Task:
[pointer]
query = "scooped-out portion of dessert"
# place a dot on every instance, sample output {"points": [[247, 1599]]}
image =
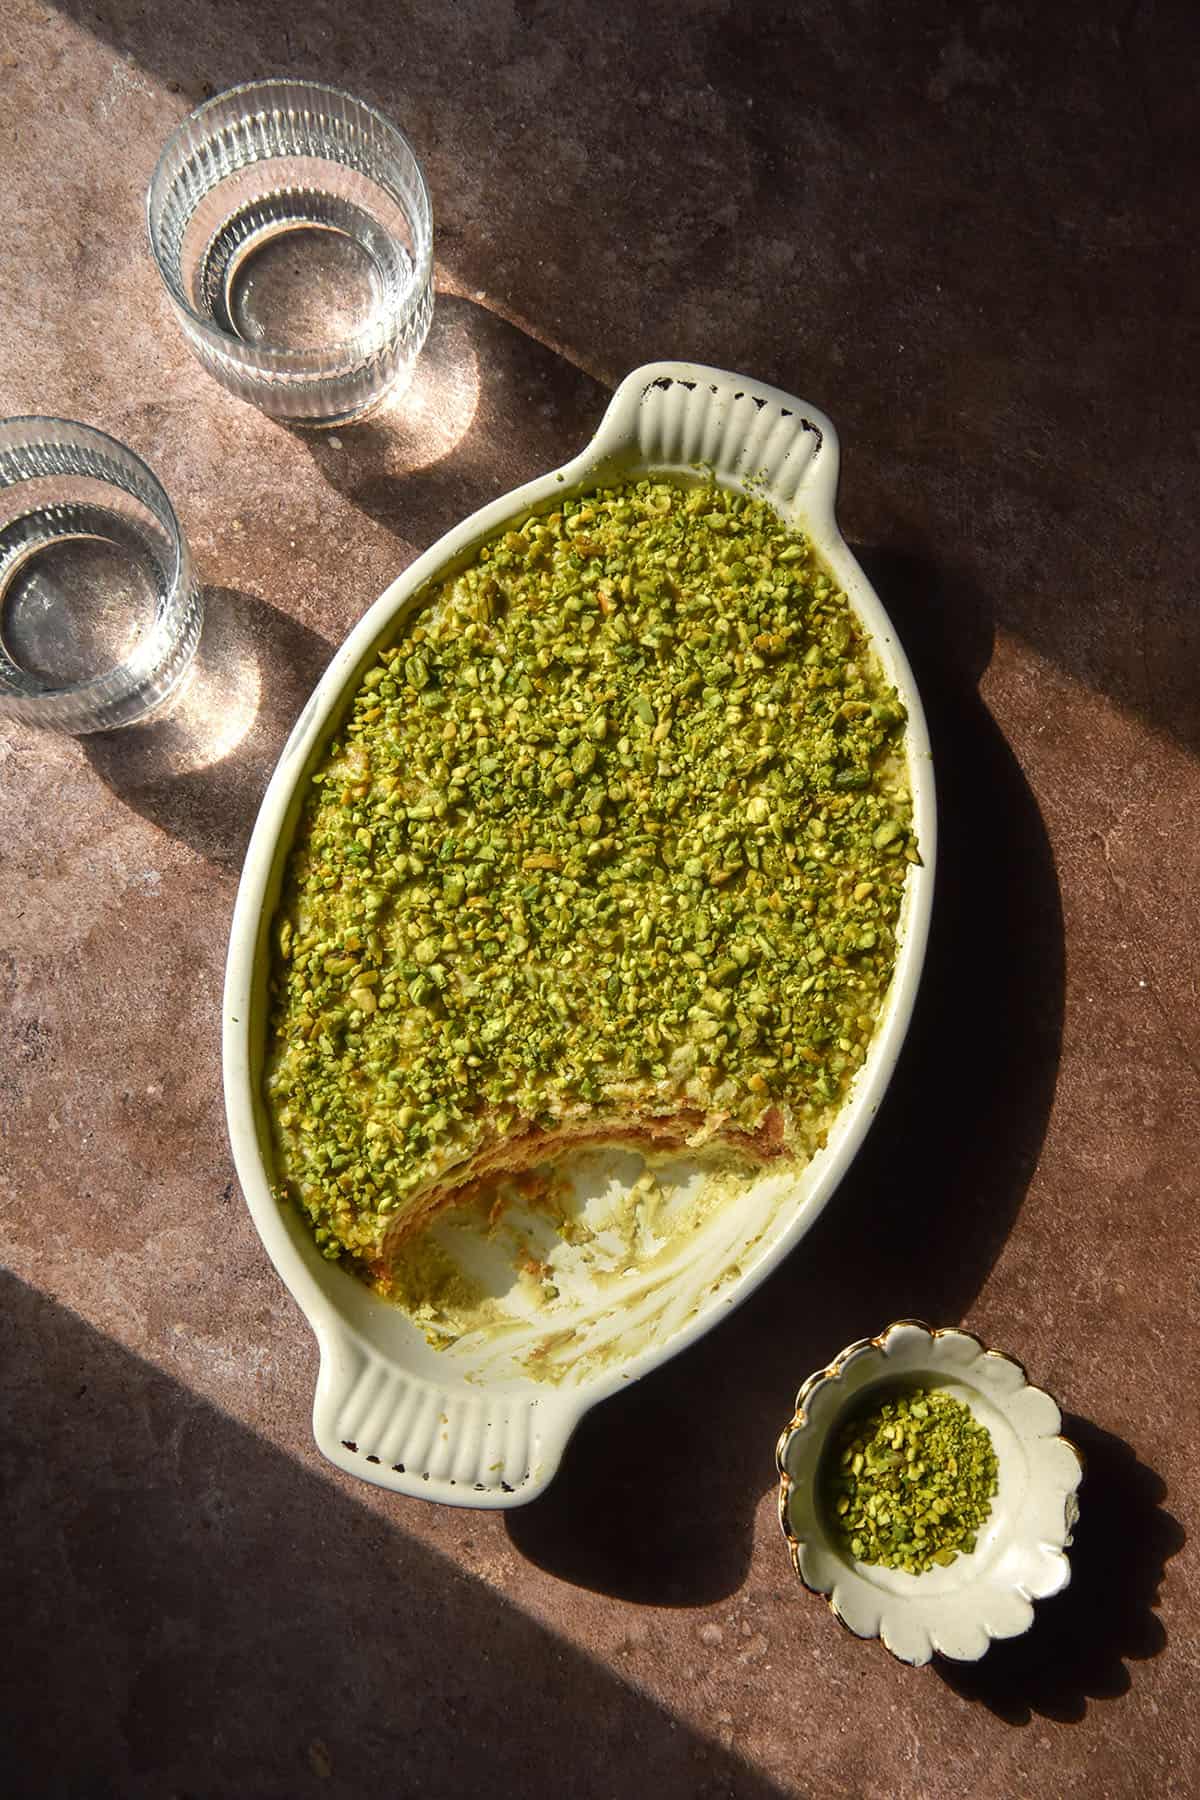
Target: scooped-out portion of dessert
{"points": [[609, 849]]}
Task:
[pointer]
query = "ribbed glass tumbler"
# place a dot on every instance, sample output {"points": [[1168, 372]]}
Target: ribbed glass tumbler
{"points": [[100, 610], [293, 229]]}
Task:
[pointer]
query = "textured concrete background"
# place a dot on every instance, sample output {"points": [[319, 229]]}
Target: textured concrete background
{"points": [[969, 234]]}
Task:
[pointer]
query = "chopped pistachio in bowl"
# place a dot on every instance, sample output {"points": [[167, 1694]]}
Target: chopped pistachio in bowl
{"points": [[1017, 1495]]}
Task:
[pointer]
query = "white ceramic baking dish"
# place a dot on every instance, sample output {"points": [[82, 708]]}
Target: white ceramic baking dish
{"points": [[469, 1425]]}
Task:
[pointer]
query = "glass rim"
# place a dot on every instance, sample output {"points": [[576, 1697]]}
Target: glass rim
{"points": [[229, 343], [119, 683]]}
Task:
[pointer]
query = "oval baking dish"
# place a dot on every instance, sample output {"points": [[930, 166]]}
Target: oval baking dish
{"points": [[469, 1425]]}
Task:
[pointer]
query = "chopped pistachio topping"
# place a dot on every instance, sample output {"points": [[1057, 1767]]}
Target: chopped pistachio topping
{"points": [[622, 821], [911, 1482]]}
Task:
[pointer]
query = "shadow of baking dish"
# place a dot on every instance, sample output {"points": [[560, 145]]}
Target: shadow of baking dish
{"points": [[658, 1493], [421, 421]]}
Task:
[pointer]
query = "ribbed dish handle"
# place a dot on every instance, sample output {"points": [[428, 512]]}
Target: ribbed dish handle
{"points": [[684, 415], [395, 1428]]}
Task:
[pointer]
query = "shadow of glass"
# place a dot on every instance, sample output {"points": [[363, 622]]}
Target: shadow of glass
{"points": [[422, 423], [199, 769], [656, 1496], [387, 467], [1080, 1642], [218, 1619]]}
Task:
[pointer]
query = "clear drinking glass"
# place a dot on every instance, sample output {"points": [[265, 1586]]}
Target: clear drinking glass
{"points": [[100, 611], [292, 227]]}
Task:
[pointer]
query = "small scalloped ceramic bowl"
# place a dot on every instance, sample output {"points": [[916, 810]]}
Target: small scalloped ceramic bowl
{"points": [[1019, 1556]]}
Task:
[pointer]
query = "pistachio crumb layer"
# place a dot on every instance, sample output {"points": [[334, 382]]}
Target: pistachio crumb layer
{"points": [[618, 828], [912, 1482]]}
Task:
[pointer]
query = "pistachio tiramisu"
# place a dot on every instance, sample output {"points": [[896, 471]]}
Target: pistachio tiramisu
{"points": [[610, 848]]}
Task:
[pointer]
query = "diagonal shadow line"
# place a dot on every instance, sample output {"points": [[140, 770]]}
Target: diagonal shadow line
{"points": [[219, 1621], [1115, 612]]}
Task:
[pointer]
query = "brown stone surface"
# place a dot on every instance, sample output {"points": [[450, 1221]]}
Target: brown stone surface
{"points": [[967, 233]]}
